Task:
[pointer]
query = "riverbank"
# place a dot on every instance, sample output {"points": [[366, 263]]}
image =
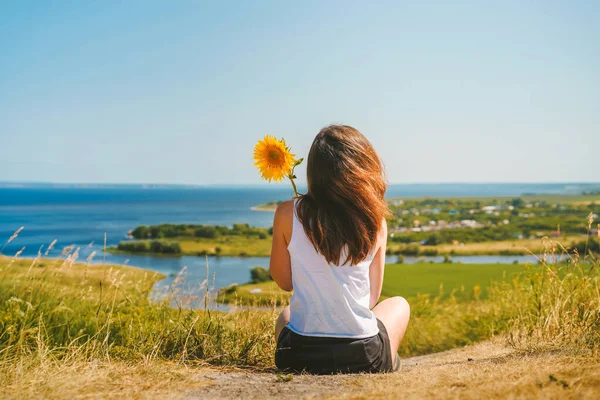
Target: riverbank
{"points": [[271, 206]]}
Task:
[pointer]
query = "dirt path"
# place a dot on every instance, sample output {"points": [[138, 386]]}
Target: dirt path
{"points": [[488, 370]]}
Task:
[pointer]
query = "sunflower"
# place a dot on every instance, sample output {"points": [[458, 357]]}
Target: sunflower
{"points": [[273, 159]]}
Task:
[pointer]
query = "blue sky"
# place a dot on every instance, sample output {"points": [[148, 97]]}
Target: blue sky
{"points": [[179, 92]]}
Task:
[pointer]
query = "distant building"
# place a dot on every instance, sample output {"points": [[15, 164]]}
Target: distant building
{"points": [[469, 223], [489, 208]]}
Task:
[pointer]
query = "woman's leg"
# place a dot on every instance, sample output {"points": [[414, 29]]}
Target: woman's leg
{"points": [[394, 313], [282, 321]]}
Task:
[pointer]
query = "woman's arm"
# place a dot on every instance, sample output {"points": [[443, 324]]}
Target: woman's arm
{"points": [[279, 265], [377, 266]]}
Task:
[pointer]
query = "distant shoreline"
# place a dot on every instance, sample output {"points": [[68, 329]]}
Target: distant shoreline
{"points": [[271, 206], [263, 208]]}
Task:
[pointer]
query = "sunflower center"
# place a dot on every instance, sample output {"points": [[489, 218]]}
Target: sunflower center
{"points": [[275, 156]]}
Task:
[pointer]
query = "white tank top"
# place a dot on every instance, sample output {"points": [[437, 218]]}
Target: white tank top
{"points": [[329, 300]]}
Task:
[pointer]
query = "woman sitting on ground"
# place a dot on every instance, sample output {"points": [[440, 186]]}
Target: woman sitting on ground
{"points": [[329, 247]]}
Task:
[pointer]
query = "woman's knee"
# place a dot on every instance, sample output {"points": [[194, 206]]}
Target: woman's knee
{"points": [[403, 303], [401, 307], [399, 303]]}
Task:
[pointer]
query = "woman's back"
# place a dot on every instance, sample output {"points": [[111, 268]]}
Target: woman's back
{"points": [[329, 300], [329, 248]]}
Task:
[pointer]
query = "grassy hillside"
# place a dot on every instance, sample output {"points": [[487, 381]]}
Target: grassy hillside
{"points": [[70, 326], [72, 309]]}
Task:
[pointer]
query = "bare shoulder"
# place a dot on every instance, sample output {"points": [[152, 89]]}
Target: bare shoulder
{"points": [[383, 231], [286, 208], [284, 212]]}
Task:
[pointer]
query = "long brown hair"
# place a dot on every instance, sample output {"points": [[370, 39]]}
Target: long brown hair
{"points": [[345, 203]]}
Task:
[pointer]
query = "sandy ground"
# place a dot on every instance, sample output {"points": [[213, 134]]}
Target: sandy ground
{"points": [[488, 370]]}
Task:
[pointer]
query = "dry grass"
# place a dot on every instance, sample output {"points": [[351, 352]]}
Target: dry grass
{"points": [[101, 379], [72, 311], [489, 370]]}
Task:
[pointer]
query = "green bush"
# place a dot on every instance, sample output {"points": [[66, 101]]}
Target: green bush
{"points": [[141, 232], [133, 246], [198, 231], [591, 246], [259, 274], [161, 246], [410, 250], [428, 252], [206, 232], [154, 246]]}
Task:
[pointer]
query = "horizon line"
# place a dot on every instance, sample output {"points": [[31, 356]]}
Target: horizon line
{"points": [[265, 185]]}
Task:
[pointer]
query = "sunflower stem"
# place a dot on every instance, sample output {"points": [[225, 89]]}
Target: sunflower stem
{"points": [[294, 186]]}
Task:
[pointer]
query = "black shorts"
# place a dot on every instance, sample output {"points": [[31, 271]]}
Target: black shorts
{"points": [[329, 355]]}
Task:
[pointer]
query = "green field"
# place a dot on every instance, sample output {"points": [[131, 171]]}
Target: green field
{"points": [[406, 280], [409, 280]]}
